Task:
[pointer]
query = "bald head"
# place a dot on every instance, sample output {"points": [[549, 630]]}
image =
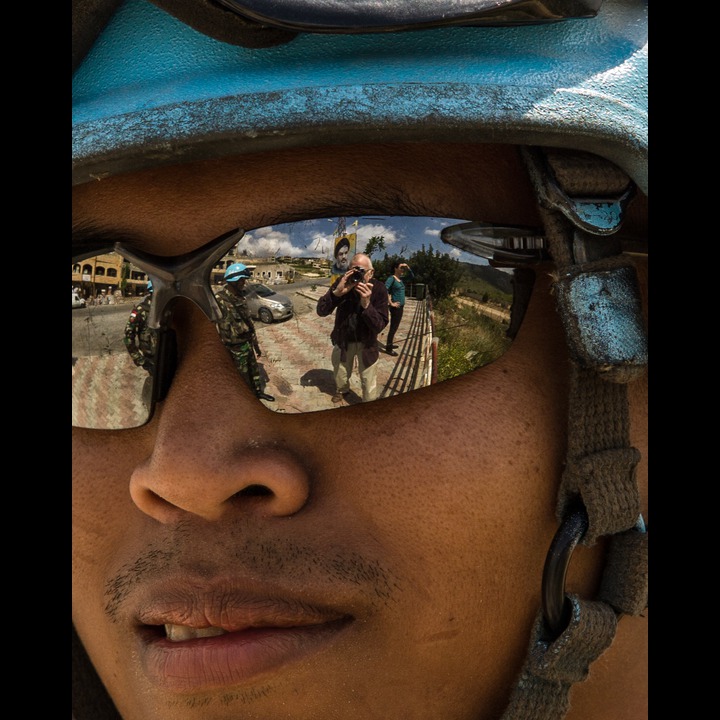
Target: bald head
{"points": [[362, 260]]}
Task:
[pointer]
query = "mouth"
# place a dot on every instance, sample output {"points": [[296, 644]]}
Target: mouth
{"points": [[188, 651]]}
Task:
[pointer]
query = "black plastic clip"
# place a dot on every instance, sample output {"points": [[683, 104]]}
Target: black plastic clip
{"points": [[556, 607]]}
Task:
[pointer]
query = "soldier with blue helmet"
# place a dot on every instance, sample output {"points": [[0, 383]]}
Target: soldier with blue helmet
{"points": [[237, 330], [407, 557]]}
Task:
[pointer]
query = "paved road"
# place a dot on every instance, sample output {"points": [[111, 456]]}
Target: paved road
{"points": [[296, 357]]}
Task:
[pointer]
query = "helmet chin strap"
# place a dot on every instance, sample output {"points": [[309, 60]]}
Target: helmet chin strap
{"points": [[582, 199]]}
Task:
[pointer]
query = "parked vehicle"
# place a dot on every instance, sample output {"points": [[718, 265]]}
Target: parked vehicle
{"points": [[267, 305], [77, 300]]}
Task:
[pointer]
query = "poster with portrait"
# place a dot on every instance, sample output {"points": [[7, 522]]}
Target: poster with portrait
{"points": [[342, 254]]}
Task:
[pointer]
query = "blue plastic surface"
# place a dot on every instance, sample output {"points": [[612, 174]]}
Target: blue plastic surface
{"points": [[153, 90]]}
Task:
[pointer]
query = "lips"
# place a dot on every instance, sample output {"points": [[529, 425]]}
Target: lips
{"points": [[193, 641]]}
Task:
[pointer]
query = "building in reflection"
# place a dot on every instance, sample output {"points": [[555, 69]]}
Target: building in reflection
{"points": [[108, 274], [270, 271]]}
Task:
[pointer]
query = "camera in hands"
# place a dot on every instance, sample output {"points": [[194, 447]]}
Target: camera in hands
{"points": [[358, 274]]}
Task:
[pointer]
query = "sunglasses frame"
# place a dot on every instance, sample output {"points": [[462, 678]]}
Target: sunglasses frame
{"points": [[188, 275]]}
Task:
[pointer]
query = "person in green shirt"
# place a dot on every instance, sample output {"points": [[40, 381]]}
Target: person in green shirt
{"points": [[395, 285]]}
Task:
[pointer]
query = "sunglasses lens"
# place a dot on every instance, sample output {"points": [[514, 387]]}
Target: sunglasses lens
{"points": [[112, 349], [462, 309]]}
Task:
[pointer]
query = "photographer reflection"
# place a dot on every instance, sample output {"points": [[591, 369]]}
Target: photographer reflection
{"points": [[139, 339], [237, 330], [361, 313]]}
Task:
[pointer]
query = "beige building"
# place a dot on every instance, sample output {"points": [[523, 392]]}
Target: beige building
{"points": [[108, 274], [264, 270]]}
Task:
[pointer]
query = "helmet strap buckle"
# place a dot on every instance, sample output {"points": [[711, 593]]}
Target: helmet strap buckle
{"points": [[598, 209], [598, 492]]}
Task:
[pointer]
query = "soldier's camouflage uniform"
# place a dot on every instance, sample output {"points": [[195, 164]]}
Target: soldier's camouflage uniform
{"points": [[237, 331], [139, 340]]}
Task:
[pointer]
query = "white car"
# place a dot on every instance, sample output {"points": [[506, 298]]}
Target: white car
{"points": [[266, 304], [77, 301]]}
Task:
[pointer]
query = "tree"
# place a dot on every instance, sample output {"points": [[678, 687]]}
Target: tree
{"points": [[374, 244], [438, 271], [383, 266]]}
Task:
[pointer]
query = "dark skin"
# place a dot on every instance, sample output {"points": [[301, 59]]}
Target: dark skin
{"points": [[236, 287], [441, 575]]}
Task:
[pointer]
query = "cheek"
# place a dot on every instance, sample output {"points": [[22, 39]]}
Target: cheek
{"points": [[460, 494], [468, 471], [101, 505], [478, 472], [485, 449], [462, 474]]}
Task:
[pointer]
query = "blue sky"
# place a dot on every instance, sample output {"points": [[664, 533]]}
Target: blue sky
{"points": [[316, 238]]}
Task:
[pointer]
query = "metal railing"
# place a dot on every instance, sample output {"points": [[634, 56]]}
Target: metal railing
{"points": [[416, 363]]}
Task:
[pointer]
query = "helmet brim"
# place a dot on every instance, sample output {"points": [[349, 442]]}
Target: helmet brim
{"points": [[182, 96]]}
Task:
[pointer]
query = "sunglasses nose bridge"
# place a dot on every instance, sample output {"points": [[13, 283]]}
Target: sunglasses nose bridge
{"points": [[186, 275], [192, 288]]}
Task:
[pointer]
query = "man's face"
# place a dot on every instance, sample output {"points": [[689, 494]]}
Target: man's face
{"points": [[227, 564], [362, 263], [342, 257], [237, 286]]}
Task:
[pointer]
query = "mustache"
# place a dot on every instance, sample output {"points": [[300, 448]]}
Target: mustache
{"points": [[282, 561]]}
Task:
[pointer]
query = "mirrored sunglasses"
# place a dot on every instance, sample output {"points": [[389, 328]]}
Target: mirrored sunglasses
{"points": [[463, 289]]}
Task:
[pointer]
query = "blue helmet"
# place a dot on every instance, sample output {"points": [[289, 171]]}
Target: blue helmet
{"points": [[235, 272], [584, 81], [153, 87]]}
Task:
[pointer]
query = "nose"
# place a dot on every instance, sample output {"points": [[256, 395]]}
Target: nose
{"points": [[216, 448]]}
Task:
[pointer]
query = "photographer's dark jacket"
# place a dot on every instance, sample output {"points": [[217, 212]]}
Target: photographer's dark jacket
{"points": [[352, 323]]}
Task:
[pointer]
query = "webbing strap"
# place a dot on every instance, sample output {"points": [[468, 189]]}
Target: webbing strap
{"points": [[552, 667], [625, 580], [599, 306], [600, 464]]}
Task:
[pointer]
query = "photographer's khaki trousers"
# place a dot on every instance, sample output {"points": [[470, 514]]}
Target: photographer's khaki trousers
{"points": [[342, 371]]}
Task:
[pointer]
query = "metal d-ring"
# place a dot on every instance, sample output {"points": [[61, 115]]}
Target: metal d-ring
{"points": [[556, 607]]}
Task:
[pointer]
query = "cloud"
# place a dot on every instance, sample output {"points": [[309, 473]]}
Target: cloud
{"points": [[266, 241], [315, 238], [365, 232]]}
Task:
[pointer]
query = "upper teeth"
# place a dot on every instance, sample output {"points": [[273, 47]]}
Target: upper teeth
{"points": [[178, 633]]}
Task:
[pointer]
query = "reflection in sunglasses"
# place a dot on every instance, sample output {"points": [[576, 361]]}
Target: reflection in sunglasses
{"points": [[458, 314]]}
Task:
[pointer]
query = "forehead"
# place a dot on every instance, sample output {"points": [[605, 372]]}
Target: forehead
{"points": [[202, 200], [187, 205]]}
